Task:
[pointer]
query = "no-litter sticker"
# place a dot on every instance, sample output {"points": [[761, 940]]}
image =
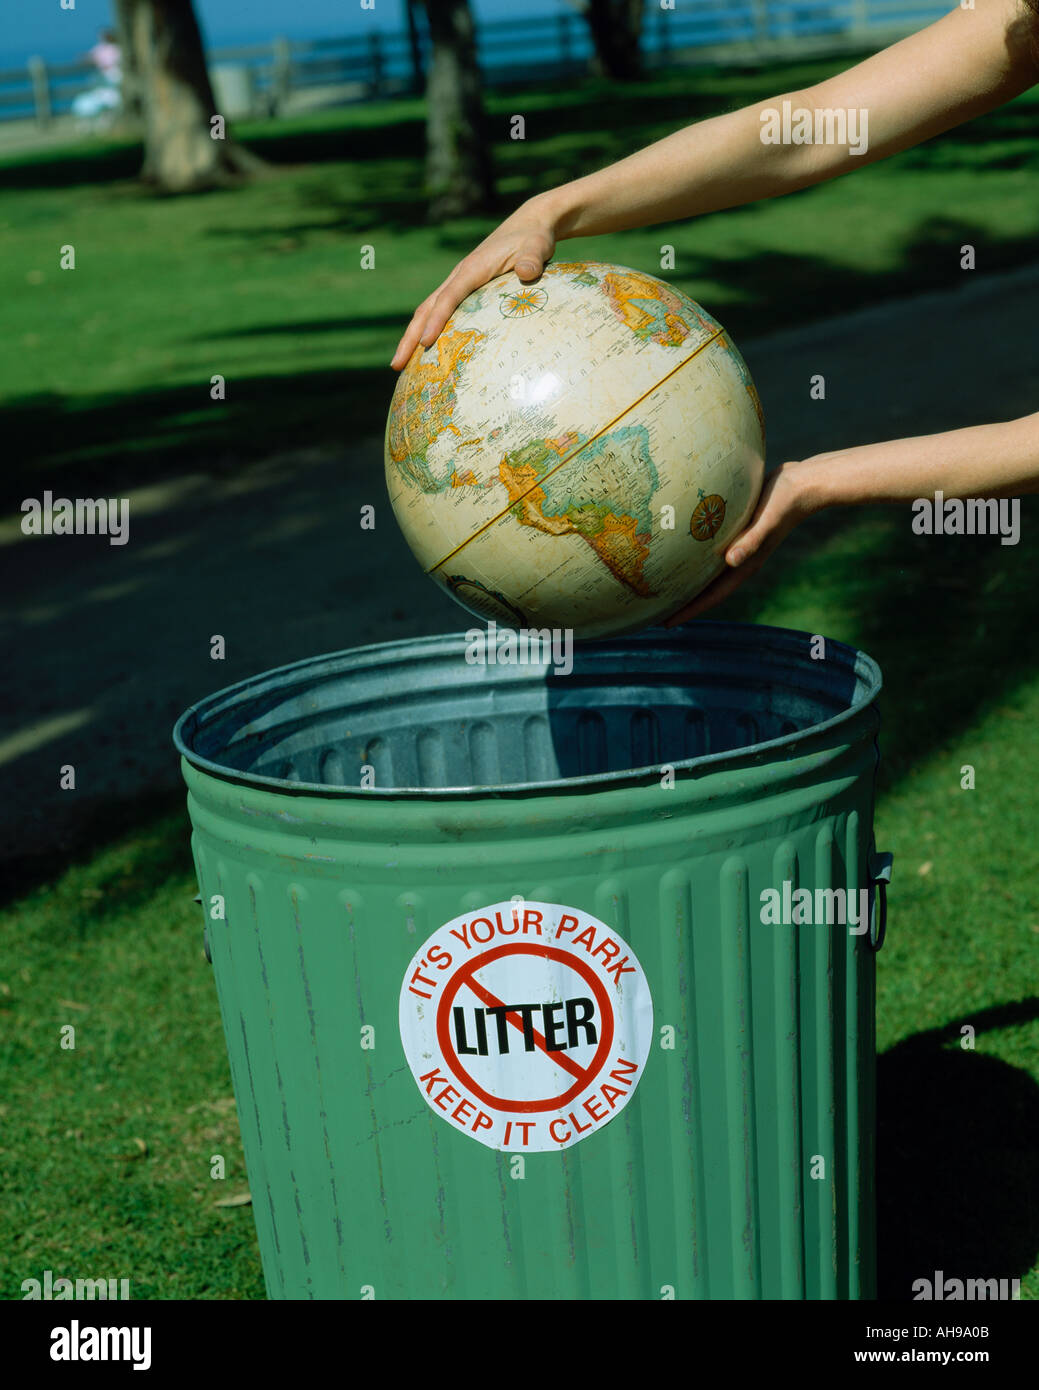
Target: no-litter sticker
{"points": [[526, 1025]]}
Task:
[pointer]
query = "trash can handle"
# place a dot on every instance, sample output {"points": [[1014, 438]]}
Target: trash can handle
{"points": [[880, 877]]}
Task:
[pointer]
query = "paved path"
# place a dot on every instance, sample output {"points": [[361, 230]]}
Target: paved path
{"points": [[106, 645]]}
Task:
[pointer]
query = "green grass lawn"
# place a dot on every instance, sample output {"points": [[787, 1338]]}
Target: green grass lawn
{"points": [[105, 1150], [105, 370]]}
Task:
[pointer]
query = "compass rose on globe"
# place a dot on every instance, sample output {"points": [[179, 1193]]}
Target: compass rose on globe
{"points": [[523, 302], [707, 516]]}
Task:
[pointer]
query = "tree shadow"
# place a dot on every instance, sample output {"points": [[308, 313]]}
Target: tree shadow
{"points": [[396, 135], [386, 189], [957, 1135], [976, 142], [74, 168], [125, 442], [823, 288], [820, 287], [168, 856], [944, 619], [942, 616]]}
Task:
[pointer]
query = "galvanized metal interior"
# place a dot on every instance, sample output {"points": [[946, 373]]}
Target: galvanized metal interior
{"points": [[423, 717]]}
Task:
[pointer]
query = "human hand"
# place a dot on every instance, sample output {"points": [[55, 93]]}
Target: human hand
{"points": [[523, 242], [785, 500]]}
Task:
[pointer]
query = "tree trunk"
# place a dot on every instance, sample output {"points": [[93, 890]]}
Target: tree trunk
{"points": [[616, 27], [180, 152], [414, 46], [459, 174], [130, 87]]}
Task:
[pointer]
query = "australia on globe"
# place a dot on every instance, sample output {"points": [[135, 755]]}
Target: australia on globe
{"points": [[575, 453]]}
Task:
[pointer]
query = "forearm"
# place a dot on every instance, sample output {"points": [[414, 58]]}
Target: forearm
{"points": [[718, 163], [999, 460], [965, 64]]}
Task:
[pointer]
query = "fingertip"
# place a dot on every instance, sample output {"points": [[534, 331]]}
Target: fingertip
{"points": [[431, 332], [402, 356]]}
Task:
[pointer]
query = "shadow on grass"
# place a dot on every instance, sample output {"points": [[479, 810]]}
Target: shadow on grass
{"points": [[815, 288], [620, 118], [160, 834], [385, 196], [126, 442], [396, 129], [86, 163], [115, 443], [957, 1136], [944, 620]]}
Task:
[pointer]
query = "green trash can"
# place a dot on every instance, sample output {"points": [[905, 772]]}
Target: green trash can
{"points": [[550, 985]]}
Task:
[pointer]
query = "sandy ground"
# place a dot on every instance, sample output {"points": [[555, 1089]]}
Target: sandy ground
{"points": [[106, 645]]}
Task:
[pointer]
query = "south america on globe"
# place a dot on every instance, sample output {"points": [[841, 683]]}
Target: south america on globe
{"points": [[575, 453]]}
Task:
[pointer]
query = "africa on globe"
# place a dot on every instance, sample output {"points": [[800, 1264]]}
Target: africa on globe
{"points": [[576, 453]]}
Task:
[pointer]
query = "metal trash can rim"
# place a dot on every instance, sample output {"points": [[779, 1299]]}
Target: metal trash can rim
{"points": [[858, 670]]}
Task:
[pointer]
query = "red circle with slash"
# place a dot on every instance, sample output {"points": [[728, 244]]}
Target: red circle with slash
{"points": [[585, 1076]]}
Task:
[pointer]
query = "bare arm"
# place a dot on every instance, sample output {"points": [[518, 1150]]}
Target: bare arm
{"points": [[961, 66], [1000, 460], [964, 64]]}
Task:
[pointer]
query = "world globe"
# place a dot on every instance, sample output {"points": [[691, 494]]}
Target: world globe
{"points": [[575, 453]]}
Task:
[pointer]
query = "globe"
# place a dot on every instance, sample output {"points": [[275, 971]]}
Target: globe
{"points": [[575, 453]]}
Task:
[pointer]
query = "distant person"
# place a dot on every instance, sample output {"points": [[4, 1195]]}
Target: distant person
{"points": [[969, 61], [107, 96], [107, 57]]}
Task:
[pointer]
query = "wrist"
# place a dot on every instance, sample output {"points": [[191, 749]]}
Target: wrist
{"points": [[816, 482], [555, 209]]}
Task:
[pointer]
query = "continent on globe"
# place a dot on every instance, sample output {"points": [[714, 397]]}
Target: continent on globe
{"points": [[595, 499], [426, 409], [575, 453]]}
